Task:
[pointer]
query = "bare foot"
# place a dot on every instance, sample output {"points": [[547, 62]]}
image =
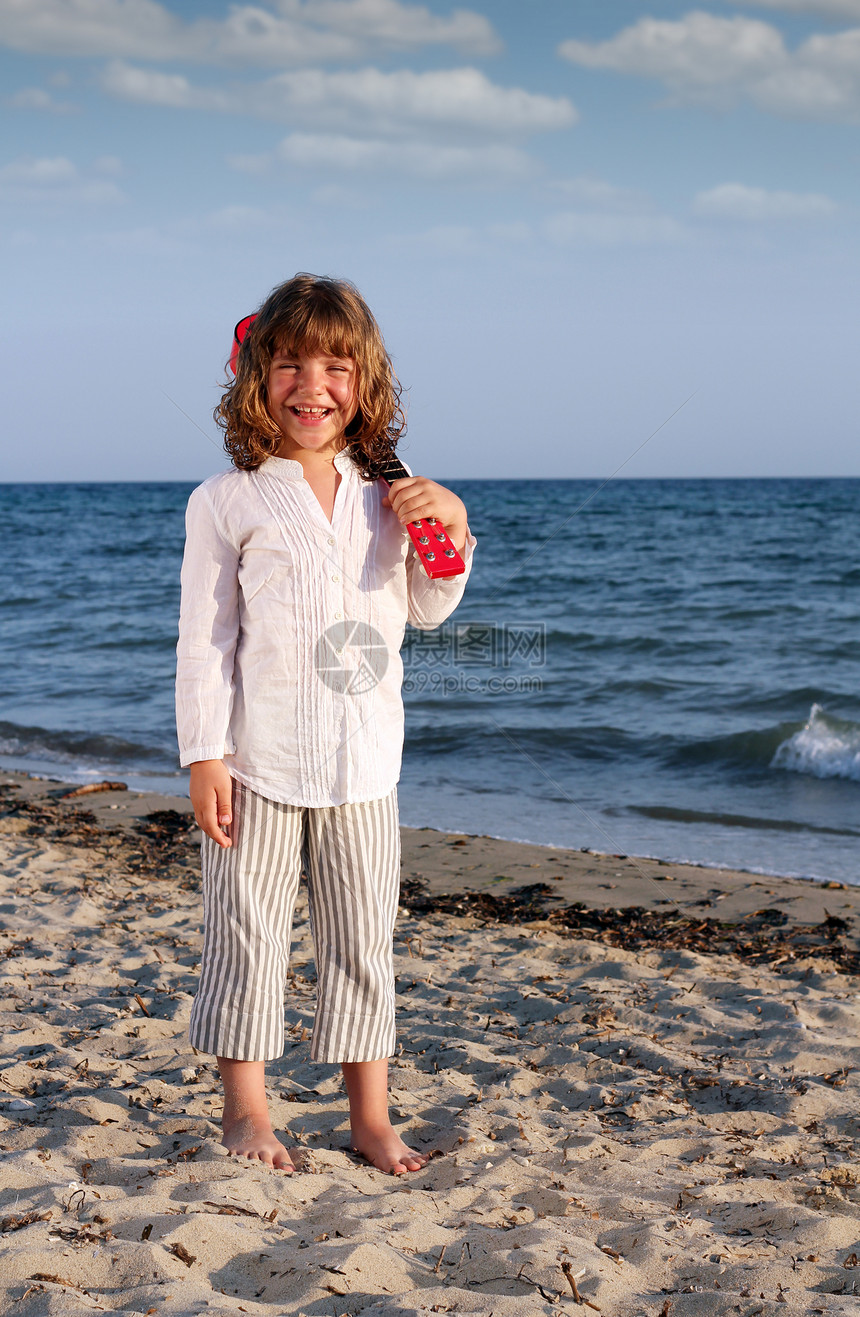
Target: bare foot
{"points": [[383, 1147], [253, 1137]]}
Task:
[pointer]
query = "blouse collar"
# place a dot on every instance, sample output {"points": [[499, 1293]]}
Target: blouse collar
{"points": [[284, 468]]}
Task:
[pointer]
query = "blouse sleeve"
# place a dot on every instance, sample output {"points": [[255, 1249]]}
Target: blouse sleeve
{"points": [[208, 634]]}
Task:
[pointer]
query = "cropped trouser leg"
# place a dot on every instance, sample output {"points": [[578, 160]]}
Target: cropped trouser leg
{"points": [[351, 854], [353, 868]]}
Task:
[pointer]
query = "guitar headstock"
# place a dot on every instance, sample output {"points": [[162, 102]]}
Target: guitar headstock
{"points": [[432, 542]]}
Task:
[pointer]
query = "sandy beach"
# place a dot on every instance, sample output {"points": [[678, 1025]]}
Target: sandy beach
{"points": [[639, 1082]]}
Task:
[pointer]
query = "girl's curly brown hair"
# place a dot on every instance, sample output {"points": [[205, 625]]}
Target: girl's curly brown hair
{"points": [[309, 315]]}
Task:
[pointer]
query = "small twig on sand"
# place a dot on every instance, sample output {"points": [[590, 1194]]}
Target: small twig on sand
{"points": [[571, 1280], [58, 1280], [94, 786]]}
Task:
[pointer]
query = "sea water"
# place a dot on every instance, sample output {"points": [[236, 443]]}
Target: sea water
{"points": [[653, 667]]}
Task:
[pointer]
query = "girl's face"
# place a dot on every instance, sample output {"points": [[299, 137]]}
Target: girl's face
{"points": [[311, 399]]}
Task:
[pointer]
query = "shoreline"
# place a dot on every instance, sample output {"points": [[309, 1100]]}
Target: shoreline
{"points": [[166, 799], [496, 866]]}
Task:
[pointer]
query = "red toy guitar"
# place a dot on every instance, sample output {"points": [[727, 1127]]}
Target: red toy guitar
{"points": [[432, 543], [238, 338]]}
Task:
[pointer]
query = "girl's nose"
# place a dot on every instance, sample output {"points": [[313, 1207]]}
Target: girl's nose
{"points": [[314, 376]]}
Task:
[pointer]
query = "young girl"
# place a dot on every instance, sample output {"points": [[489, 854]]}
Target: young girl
{"points": [[297, 582]]}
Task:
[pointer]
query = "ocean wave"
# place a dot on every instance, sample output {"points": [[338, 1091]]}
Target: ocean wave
{"points": [[550, 744], [75, 748], [757, 823], [824, 746], [753, 749]]}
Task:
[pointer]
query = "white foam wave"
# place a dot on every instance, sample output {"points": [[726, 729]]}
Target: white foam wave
{"points": [[824, 747]]}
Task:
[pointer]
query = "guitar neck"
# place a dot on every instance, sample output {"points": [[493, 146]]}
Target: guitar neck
{"points": [[394, 470]]}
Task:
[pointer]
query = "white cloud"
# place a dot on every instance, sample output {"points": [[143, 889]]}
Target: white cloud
{"points": [[697, 54], [169, 90], [91, 27], [317, 30], [449, 98], [36, 98], [721, 61], [54, 179], [363, 100], [736, 201], [316, 157], [439, 125], [400, 26]]}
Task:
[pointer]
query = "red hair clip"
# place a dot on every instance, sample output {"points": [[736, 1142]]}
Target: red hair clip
{"points": [[238, 339]]}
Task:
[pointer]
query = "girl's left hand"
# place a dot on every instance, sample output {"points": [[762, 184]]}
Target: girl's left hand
{"points": [[416, 497]]}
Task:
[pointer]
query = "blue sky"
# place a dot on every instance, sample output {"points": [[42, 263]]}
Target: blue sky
{"points": [[568, 215]]}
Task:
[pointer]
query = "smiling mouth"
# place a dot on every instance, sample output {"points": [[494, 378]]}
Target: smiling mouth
{"points": [[314, 413]]}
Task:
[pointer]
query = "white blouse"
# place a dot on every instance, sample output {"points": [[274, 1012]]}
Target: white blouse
{"points": [[290, 630]]}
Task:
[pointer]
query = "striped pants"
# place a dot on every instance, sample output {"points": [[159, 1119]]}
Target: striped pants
{"points": [[351, 855]]}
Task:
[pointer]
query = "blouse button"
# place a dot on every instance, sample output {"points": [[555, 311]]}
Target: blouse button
{"points": [[335, 577]]}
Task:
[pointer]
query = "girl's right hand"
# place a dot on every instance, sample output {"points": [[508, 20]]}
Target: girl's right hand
{"points": [[212, 797]]}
